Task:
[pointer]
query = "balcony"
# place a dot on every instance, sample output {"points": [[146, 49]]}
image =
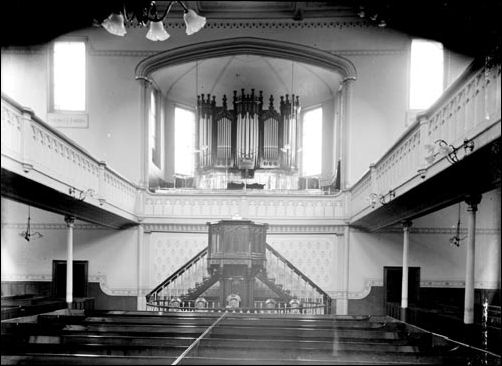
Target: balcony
{"points": [[450, 150], [44, 168]]}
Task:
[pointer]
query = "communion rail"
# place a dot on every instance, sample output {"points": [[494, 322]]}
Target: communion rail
{"points": [[296, 292]]}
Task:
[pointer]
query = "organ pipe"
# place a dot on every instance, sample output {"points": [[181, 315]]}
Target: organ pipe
{"points": [[248, 136]]}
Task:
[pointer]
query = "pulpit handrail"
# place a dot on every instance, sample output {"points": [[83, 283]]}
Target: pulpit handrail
{"points": [[180, 271], [297, 271]]}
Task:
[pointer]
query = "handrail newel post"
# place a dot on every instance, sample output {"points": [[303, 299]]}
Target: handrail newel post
{"points": [[101, 182], [25, 125], [424, 142]]}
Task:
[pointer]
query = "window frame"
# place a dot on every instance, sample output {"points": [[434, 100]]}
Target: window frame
{"points": [[194, 162], [411, 109], [303, 112], [156, 149], [52, 109]]}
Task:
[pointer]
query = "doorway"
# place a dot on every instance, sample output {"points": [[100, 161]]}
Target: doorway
{"points": [[392, 280], [80, 279]]}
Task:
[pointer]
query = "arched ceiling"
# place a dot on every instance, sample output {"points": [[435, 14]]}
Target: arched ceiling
{"points": [[223, 75]]}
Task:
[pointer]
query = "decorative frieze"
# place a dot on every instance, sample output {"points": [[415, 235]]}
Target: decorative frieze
{"points": [[252, 207], [272, 229], [49, 226]]}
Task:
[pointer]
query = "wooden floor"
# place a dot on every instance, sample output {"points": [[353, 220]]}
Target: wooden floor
{"points": [[136, 338]]}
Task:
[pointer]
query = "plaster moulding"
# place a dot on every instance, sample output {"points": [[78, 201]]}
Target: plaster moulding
{"points": [[272, 229], [51, 226], [450, 283], [279, 24], [246, 45], [16, 277], [431, 231]]}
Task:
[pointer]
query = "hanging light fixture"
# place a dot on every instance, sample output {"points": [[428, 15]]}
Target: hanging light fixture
{"points": [[157, 32], [115, 24], [193, 21], [148, 15], [27, 234], [455, 239]]}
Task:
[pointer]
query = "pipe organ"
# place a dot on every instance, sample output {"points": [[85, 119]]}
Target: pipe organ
{"points": [[248, 137]]}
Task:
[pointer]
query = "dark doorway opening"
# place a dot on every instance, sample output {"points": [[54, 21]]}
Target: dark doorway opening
{"points": [[80, 280], [392, 277]]}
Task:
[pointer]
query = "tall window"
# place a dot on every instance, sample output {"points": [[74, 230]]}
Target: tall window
{"points": [[312, 142], [153, 128], [69, 76], [426, 73], [184, 134]]}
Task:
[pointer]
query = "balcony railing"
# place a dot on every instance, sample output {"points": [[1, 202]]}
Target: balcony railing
{"points": [[468, 109], [32, 147]]}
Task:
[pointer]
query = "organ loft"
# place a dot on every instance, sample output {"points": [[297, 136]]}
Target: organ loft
{"points": [[250, 140]]}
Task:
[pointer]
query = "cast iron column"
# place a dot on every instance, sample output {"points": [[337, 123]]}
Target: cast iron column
{"points": [[404, 283], [70, 221], [472, 202]]}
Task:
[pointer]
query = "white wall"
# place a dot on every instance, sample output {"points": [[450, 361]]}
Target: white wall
{"points": [[111, 253], [442, 264], [379, 96]]}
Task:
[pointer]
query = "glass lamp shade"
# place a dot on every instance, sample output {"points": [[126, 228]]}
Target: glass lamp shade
{"points": [[114, 24], [194, 22], [157, 32]]}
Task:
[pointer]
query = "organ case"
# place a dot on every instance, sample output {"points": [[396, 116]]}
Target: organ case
{"points": [[247, 137]]}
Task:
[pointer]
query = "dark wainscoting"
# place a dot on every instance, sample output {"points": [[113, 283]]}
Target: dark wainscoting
{"points": [[102, 301], [446, 299], [369, 305], [14, 288], [107, 302]]}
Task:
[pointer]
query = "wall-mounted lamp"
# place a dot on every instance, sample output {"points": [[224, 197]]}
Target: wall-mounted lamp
{"points": [[422, 172], [449, 151], [386, 198], [373, 14], [28, 235], [373, 198], [82, 195]]}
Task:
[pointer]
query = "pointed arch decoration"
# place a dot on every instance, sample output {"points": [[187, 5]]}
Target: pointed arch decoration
{"points": [[260, 47], [249, 46]]}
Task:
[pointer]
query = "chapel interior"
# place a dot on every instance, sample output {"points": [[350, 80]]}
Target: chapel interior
{"points": [[251, 182]]}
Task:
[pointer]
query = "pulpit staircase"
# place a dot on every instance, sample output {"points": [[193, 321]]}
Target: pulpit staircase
{"points": [[280, 280]]}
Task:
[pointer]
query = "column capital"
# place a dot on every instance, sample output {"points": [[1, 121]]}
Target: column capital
{"points": [[472, 201], [348, 79], [406, 224], [70, 220]]}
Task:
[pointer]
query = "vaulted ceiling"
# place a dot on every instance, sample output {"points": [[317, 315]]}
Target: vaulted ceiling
{"points": [[223, 75]]}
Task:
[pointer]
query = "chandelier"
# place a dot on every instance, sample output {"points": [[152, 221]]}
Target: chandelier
{"points": [[150, 15]]}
